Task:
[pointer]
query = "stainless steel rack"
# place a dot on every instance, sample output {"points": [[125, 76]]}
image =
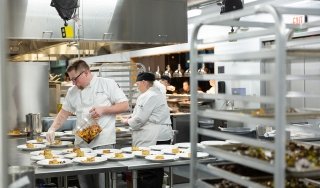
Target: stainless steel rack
{"points": [[281, 54]]}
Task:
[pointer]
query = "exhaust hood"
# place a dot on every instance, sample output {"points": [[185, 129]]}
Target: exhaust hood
{"points": [[100, 27]]}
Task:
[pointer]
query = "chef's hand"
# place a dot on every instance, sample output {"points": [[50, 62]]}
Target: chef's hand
{"points": [[96, 112], [125, 120], [171, 88], [50, 135]]}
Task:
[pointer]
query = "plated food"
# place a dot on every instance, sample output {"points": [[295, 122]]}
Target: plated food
{"points": [[42, 157], [77, 149], [54, 163], [174, 151], [106, 151], [133, 148], [89, 160], [16, 132], [145, 153], [59, 143], [46, 152], [122, 130], [161, 158], [79, 154], [30, 147], [119, 156], [38, 140], [161, 147]]}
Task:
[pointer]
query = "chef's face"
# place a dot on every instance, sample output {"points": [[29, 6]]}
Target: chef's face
{"points": [[78, 78], [142, 85]]}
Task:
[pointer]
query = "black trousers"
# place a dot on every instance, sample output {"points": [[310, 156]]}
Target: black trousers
{"points": [[152, 178]]}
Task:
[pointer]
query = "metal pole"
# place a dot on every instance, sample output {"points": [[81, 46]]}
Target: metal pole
{"points": [[3, 94]]}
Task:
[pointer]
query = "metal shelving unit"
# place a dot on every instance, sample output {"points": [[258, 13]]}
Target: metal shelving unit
{"points": [[280, 55]]}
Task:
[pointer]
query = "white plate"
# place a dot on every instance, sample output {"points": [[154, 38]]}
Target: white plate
{"points": [[68, 133], [45, 163], [122, 130], [126, 156], [97, 160], [167, 158], [54, 152], [186, 155], [36, 142], [41, 157], [74, 155], [161, 147], [70, 150], [100, 151], [170, 152], [36, 147], [214, 143], [129, 149], [185, 144], [63, 144], [139, 153], [43, 134]]}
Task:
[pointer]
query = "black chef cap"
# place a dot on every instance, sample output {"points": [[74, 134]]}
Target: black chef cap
{"points": [[165, 77], [147, 76]]}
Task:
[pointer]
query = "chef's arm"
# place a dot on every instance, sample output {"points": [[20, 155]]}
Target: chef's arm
{"points": [[60, 119]]}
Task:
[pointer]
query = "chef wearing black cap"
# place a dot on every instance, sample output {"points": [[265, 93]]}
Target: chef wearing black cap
{"points": [[150, 113]]}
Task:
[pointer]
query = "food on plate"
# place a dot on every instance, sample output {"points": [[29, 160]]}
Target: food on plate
{"points": [[46, 152], [118, 130], [57, 142], [159, 157], [258, 112], [48, 156], [118, 155], [302, 157], [145, 152], [89, 160], [55, 162], [29, 145], [80, 153], [14, 132], [175, 150], [76, 150], [39, 139], [89, 133], [106, 151], [135, 148], [189, 155]]}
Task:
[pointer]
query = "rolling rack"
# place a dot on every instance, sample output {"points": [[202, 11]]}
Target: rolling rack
{"points": [[280, 55]]}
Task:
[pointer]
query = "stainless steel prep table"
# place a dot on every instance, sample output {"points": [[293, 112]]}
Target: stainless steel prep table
{"points": [[22, 158]]}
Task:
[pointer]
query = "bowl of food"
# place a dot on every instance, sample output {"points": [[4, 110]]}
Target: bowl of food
{"points": [[88, 130]]}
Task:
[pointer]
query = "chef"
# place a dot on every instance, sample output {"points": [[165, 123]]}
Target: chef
{"points": [[150, 114]]}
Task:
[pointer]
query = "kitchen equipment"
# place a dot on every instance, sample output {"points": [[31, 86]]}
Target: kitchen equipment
{"points": [[168, 71], [158, 74], [178, 72], [36, 123], [21, 176], [28, 127]]}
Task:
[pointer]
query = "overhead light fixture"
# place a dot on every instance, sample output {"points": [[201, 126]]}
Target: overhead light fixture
{"points": [[194, 12]]}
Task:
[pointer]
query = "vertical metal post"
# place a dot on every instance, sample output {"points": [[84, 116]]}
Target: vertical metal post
{"points": [[3, 94], [134, 179]]}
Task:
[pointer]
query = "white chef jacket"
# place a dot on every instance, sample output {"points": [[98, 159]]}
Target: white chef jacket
{"points": [[160, 86], [150, 115], [100, 92]]}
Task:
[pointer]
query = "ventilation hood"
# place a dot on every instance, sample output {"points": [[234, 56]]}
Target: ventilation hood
{"points": [[100, 27]]}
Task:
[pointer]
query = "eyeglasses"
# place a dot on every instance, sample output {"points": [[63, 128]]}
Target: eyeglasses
{"points": [[75, 78]]}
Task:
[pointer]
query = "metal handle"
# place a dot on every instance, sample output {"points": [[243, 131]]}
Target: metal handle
{"points": [[162, 36], [49, 32], [104, 36]]}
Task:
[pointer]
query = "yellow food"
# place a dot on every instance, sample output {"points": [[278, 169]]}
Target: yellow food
{"points": [[118, 130], [55, 161], [57, 142], [48, 156], [39, 139], [119, 155], [89, 133], [80, 153], [145, 152], [47, 152], [29, 145], [135, 148], [15, 132], [159, 157], [106, 151], [175, 150], [89, 160], [259, 112]]}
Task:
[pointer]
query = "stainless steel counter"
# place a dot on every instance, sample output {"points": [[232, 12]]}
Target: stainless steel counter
{"points": [[22, 158]]}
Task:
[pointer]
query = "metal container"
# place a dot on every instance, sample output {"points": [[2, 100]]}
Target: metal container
{"points": [[36, 123], [28, 127], [21, 176]]}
